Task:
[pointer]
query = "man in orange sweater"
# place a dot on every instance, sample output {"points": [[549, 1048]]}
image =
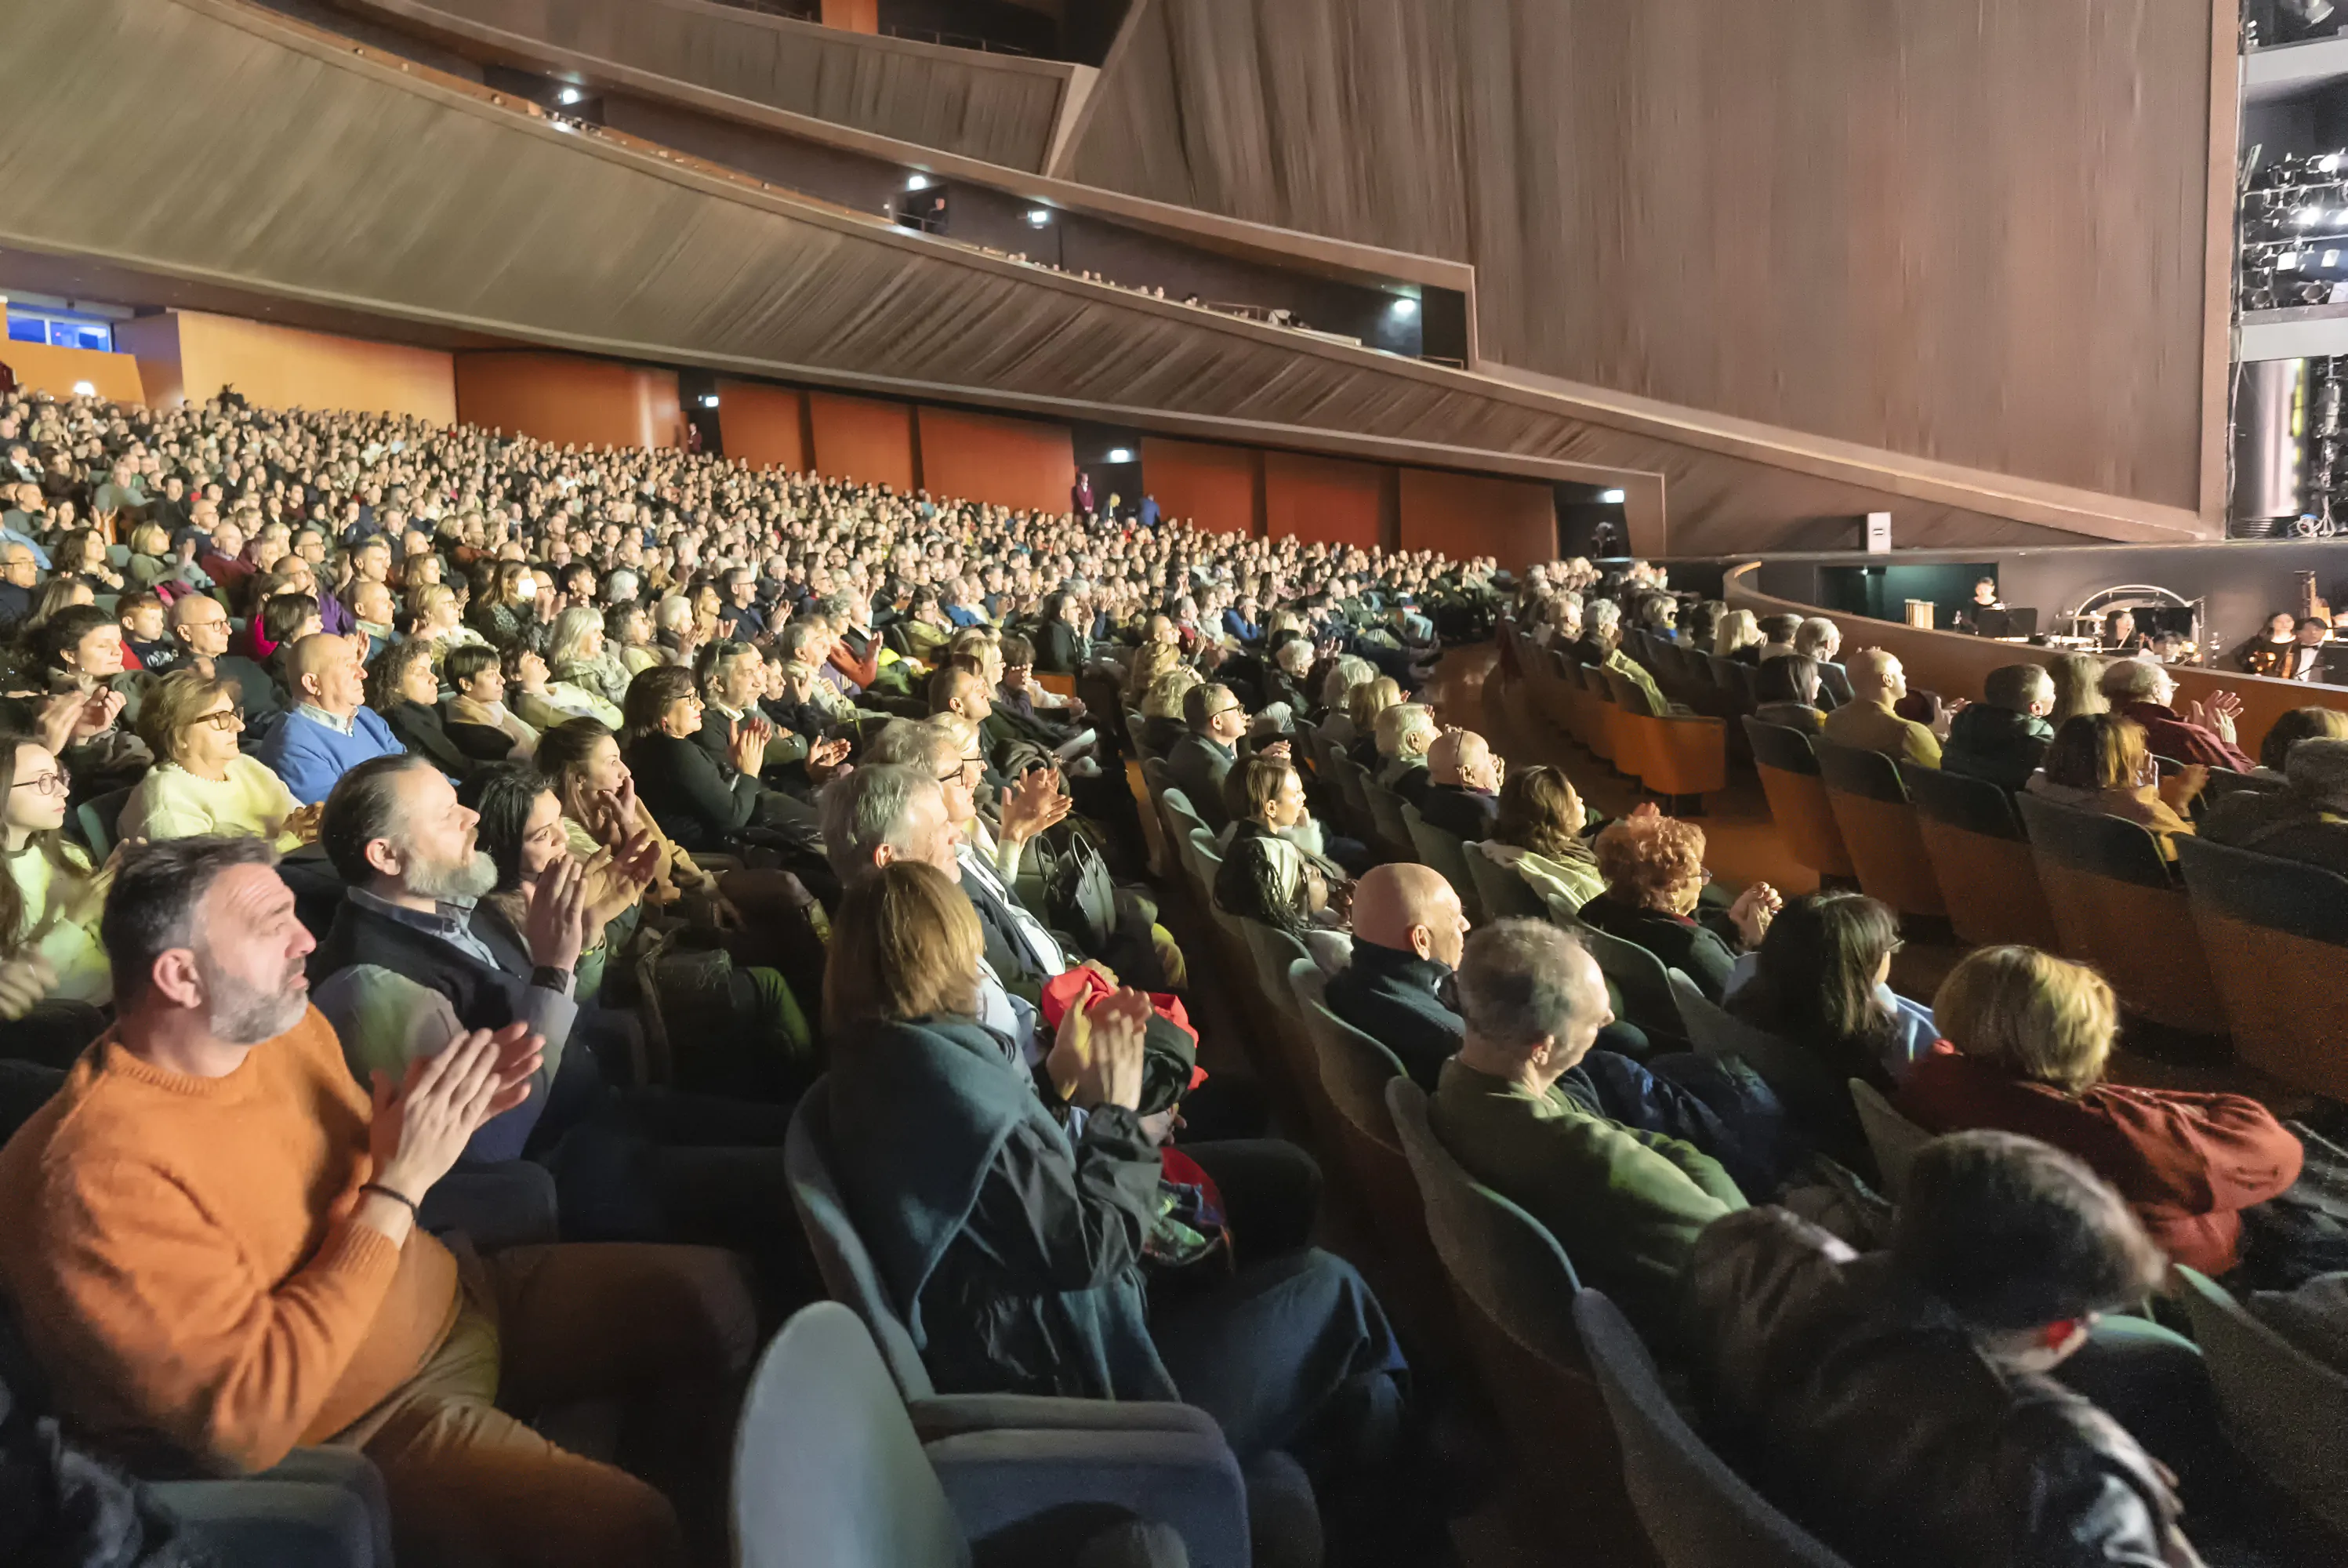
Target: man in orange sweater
{"points": [[211, 1243]]}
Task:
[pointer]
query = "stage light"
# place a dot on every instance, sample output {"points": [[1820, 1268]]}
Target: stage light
{"points": [[569, 96], [1405, 308], [1038, 216], [918, 182], [709, 399], [1121, 454], [1614, 497]]}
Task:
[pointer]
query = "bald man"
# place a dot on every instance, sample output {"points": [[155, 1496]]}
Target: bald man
{"points": [[1868, 721], [1463, 794], [331, 730], [1409, 930]]}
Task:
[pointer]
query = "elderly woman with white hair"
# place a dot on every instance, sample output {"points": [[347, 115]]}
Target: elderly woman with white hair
{"points": [[2306, 821], [578, 654], [1345, 673]]}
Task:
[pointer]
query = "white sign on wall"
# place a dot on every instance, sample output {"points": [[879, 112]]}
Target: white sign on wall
{"points": [[1878, 533]]}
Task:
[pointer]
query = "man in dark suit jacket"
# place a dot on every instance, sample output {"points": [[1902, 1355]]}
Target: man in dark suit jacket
{"points": [[1201, 759], [1462, 793], [2004, 738]]}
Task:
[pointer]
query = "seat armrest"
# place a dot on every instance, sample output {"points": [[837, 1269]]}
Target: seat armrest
{"points": [[951, 1415], [999, 1479], [504, 1203]]}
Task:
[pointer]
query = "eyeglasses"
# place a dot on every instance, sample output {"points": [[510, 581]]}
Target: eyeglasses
{"points": [[58, 783], [226, 718], [969, 765]]}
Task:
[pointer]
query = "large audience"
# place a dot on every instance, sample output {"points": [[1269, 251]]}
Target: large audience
{"points": [[440, 862]]}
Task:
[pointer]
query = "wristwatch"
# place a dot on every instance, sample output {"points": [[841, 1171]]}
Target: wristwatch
{"points": [[547, 978]]}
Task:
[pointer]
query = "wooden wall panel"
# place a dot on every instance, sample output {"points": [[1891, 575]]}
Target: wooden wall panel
{"points": [[1469, 514], [1328, 499], [1974, 233], [285, 368], [862, 439], [1022, 463], [1217, 487], [570, 398], [1001, 108], [765, 427], [43, 367]]}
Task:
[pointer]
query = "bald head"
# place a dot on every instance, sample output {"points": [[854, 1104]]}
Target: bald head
{"points": [[1461, 757], [324, 670], [1411, 909], [1877, 677]]}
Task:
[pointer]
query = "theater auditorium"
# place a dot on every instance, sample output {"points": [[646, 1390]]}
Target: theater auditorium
{"points": [[1173, 784]]}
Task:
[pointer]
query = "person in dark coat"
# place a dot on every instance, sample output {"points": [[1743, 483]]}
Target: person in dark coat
{"points": [[1654, 867], [1462, 793], [699, 803], [2004, 738], [1201, 759], [402, 687]]}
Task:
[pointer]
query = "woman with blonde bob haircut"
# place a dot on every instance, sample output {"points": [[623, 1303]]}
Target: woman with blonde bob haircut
{"points": [[2032, 1035], [906, 945]]}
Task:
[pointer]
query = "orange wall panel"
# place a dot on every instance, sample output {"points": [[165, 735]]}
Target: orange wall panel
{"points": [[1328, 499], [285, 368], [1468, 514], [1021, 463], [568, 399], [43, 367], [763, 426], [1220, 488], [856, 16], [859, 439]]}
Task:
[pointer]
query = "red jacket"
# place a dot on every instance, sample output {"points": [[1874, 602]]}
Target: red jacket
{"points": [[2187, 1163], [2166, 735]]}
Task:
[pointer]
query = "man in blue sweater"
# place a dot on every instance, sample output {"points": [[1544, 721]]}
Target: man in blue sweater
{"points": [[331, 730]]}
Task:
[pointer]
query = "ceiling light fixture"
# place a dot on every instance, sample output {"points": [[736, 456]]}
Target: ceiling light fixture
{"points": [[918, 182], [1405, 308], [1615, 498], [84, 389], [1038, 216], [1121, 454], [569, 95], [709, 399]]}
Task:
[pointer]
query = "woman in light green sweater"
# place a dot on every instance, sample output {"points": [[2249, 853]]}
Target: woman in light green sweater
{"points": [[203, 784]]}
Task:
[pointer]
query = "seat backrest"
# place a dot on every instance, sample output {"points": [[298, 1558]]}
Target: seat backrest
{"points": [[1355, 1069], [1790, 1072], [1176, 805], [1503, 893], [1629, 695], [826, 1465], [1974, 805], [1276, 953], [2274, 932], [1640, 977], [849, 1275], [1499, 1256], [2292, 896], [98, 817], [1441, 848], [1892, 1137], [1156, 775], [1698, 1512], [1386, 810], [1352, 784], [2285, 1411], [2225, 781], [2093, 843], [1781, 747], [1855, 770]]}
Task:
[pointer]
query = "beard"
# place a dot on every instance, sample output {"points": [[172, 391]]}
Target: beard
{"points": [[242, 1015], [463, 882]]}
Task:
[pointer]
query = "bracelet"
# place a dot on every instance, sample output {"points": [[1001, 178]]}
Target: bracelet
{"points": [[397, 1197]]}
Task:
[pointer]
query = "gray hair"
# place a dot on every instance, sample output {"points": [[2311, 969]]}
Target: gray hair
{"points": [[621, 587], [799, 637], [1814, 634], [2134, 680], [865, 808], [1604, 616], [571, 630], [2317, 768], [1350, 671], [1401, 722], [1516, 982], [912, 743]]}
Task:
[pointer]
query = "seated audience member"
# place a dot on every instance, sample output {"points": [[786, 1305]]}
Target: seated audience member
{"points": [[80, 650], [1334, 715], [1626, 1205], [701, 804], [1463, 792], [2098, 763], [20, 575], [1406, 733], [1737, 636], [579, 659], [1268, 880], [1364, 704], [2032, 1035], [518, 826], [543, 702], [401, 687], [1409, 930], [370, 609], [968, 1185], [1199, 761], [1787, 690], [202, 786], [231, 1274], [946, 746], [200, 626], [2289, 730], [331, 730], [1019, 695], [2078, 686], [1821, 639], [1900, 1404], [477, 720], [1868, 721], [146, 641], [1777, 633], [282, 620], [1536, 833], [1266, 795], [53, 967], [2307, 819], [1162, 729], [1654, 867], [1821, 980], [2004, 738], [2203, 732]]}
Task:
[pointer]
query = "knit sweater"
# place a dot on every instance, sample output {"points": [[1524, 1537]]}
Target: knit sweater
{"points": [[310, 756], [182, 1257], [172, 803]]}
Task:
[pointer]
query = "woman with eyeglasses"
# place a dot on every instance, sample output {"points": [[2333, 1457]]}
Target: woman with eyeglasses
{"points": [[1653, 868], [202, 783], [51, 900]]}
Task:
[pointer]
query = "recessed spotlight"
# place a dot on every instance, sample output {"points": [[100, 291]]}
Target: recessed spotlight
{"points": [[1121, 454], [1405, 308], [569, 95], [1038, 216], [709, 399], [84, 389], [918, 182], [1614, 497]]}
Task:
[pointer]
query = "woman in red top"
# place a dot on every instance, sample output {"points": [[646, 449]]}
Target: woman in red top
{"points": [[2032, 1035]]}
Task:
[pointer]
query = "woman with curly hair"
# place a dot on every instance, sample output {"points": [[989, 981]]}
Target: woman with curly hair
{"points": [[1653, 869]]}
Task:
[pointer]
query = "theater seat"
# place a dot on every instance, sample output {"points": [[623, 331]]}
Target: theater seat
{"points": [[851, 1278], [2117, 908], [1982, 859], [1878, 827], [2275, 932], [1698, 1512], [1514, 1288], [1678, 754], [2284, 1411], [1638, 985], [1892, 1138], [1441, 848], [317, 1508], [1504, 894], [1798, 796]]}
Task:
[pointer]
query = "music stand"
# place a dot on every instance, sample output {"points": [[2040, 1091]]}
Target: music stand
{"points": [[2022, 623]]}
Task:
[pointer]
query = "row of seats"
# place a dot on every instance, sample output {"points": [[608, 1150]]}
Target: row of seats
{"points": [[1677, 755]]}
